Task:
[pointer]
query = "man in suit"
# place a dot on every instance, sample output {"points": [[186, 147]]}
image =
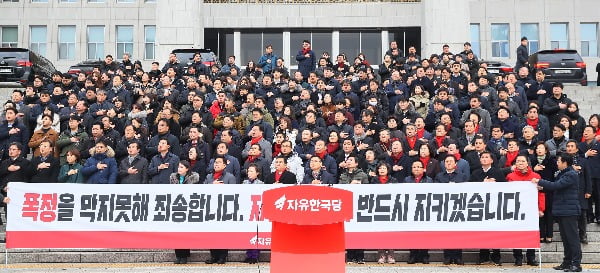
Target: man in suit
{"points": [[133, 168], [45, 167], [281, 174]]}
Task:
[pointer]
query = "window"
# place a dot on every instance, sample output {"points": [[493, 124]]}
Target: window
{"points": [[95, 42], [320, 42], [149, 42], [500, 34], [531, 31], [124, 40], [589, 39], [10, 36], [95, 1], [252, 45], [9, 1], [559, 35], [68, 1], [39, 1], [475, 39], [66, 42], [150, 1], [126, 1], [37, 39]]}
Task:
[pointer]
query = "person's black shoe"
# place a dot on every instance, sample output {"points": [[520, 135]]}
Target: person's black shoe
{"points": [[221, 261], [251, 260], [426, 260], [518, 262], [496, 262], [177, 261], [459, 261], [183, 260], [411, 260], [573, 268], [483, 261], [447, 261], [211, 261], [560, 267], [584, 239], [360, 261], [533, 263]]}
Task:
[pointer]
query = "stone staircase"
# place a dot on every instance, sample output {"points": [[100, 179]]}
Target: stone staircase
{"points": [[587, 97], [551, 253]]}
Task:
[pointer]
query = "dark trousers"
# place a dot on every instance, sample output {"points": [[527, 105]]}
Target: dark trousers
{"points": [[182, 253], [570, 238], [419, 254], [596, 197], [547, 221], [355, 254], [582, 224], [452, 253], [219, 254], [518, 254], [252, 253], [484, 255]]}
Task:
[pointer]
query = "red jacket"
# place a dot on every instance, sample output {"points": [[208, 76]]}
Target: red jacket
{"points": [[215, 109], [517, 175]]}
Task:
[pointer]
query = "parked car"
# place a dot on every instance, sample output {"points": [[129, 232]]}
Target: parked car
{"points": [[497, 67], [20, 65], [186, 56], [86, 67], [560, 65]]}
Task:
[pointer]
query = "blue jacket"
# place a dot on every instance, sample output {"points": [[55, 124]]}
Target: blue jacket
{"points": [[156, 176], [267, 67], [94, 175], [566, 193]]}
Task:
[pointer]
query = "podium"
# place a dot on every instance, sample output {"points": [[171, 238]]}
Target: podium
{"points": [[307, 228]]}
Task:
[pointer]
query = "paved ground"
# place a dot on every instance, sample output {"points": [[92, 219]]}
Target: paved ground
{"points": [[240, 268]]}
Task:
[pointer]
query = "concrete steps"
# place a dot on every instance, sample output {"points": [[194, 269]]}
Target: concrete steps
{"points": [[551, 253]]}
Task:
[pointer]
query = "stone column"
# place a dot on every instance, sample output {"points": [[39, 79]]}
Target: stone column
{"points": [[179, 24], [444, 22]]}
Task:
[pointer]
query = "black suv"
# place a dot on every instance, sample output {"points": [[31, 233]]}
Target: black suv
{"points": [[87, 67], [186, 56], [560, 65], [20, 65]]}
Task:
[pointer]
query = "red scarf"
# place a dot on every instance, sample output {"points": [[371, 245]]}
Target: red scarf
{"points": [[418, 179], [340, 64], [396, 158], [276, 149], [411, 142], [251, 158], [448, 127], [533, 123], [457, 156], [477, 128], [255, 140], [305, 50], [278, 176], [332, 147], [217, 175], [383, 179], [424, 160], [192, 163], [322, 154], [420, 133], [440, 140], [510, 158]]}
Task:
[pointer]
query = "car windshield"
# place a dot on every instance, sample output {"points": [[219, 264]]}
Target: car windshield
{"points": [[557, 57]]}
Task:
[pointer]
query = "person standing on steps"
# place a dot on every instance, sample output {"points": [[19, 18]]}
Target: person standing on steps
{"points": [[566, 209]]}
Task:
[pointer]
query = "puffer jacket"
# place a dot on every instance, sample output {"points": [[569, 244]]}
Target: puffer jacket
{"points": [[107, 175], [566, 193]]}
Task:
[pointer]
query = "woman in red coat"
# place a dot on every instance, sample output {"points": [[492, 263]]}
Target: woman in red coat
{"points": [[523, 172]]}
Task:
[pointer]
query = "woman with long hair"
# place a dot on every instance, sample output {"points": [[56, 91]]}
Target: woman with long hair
{"points": [[184, 175]]}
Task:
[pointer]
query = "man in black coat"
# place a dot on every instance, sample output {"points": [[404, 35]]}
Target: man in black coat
{"points": [[555, 106], [582, 168], [589, 149], [44, 168], [281, 174], [133, 168], [566, 209], [522, 54], [488, 173]]}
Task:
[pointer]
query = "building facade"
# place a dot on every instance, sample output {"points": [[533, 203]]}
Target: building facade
{"points": [[68, 31]]}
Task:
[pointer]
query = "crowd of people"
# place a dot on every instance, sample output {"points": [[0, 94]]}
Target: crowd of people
{"points": [[437, 119]]}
